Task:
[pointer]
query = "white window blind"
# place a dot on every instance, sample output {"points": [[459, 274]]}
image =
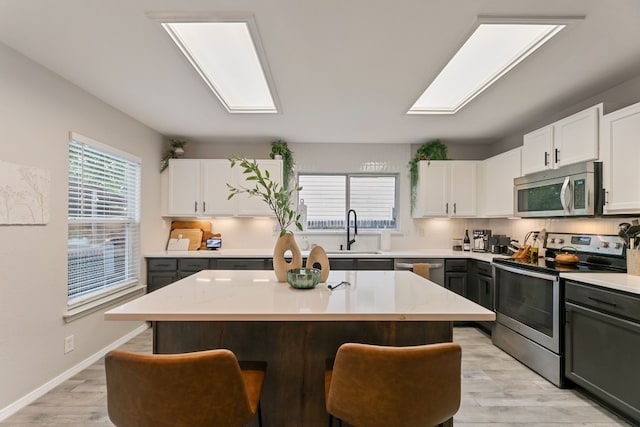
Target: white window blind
{"points": [[329, 197], [103, 220]]}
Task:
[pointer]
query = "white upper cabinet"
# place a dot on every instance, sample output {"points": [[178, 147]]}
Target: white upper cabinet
{"points": [[184, 196], [537, 149], [199, 188], [446, 188], [216, 173], [620, 152], [568, 141], [495, 183], [254, 205]]}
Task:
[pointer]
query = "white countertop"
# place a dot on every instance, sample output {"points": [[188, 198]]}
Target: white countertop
{"points": [[614, 281], [268, 253], [256, 296]]}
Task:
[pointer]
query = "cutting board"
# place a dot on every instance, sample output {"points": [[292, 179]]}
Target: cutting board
{"points": [[194, 236], [205, 226]]}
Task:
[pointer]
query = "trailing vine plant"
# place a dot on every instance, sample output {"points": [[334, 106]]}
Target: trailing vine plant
{"points": [[176, 150], [280, 147], [432, 150]]}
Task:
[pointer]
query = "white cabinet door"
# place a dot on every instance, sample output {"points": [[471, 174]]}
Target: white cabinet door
{"points": [[254, 205], [216, 174], [537, 150], [446, 188], [571, 140], [496, 183], [432, 189], [462, 188], [620, 154], [183, 187], [576, 138]]}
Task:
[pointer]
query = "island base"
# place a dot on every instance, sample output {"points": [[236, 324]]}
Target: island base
{"points": [[296, 354]]}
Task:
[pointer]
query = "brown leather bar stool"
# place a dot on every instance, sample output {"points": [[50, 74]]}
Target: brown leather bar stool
{"points": [[205, 388], [378, 386]]}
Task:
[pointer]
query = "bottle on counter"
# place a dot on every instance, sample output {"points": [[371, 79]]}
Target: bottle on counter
{"points": [[466, 243]]}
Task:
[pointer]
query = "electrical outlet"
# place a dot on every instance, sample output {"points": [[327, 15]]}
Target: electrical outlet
{"points": [[69, 344]]}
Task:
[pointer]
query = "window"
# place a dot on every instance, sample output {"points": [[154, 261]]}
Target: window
{"points": [[103, 220], [329, 197]]}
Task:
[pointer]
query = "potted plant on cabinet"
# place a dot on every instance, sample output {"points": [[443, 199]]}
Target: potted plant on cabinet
{"points": [[432, 150], [279, 201], [176, 150], [280, 150]]}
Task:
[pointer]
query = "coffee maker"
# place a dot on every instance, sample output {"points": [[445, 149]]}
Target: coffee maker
{"points": [[480, 241], [499, 243]]}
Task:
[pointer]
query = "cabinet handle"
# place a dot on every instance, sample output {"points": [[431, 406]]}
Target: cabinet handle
{"points": [[557, 155], [455, 208], [195, 207], [204, 207], [546, 158], [611, 304], [446, 209]]}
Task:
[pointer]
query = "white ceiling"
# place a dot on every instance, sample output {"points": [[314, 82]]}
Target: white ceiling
{"points": [[344, 70]]}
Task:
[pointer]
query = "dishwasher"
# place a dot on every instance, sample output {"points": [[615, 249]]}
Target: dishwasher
{"points": [[436, 267]]}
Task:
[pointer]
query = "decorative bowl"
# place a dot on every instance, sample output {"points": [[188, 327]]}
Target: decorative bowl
{"points": [[303, 278]]}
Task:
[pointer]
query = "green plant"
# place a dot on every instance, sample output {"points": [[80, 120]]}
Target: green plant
{"points": [[280, 147], [176, 150], [432, 150], [272, 193]]}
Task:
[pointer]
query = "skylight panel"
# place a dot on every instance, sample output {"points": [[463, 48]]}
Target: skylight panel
{"points": [[225, 56], [491, 51]]}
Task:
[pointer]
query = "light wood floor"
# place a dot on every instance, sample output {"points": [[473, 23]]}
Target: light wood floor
{"points": [[497, 391]]}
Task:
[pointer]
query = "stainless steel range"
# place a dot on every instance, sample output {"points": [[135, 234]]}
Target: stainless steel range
{"points": [[529, 297]]}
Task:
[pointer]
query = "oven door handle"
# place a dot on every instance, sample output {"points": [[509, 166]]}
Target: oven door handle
{"points": [[524, 272], [566, 204]]}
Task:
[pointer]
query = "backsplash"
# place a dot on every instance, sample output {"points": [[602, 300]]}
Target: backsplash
{"points": [[258, 233]]}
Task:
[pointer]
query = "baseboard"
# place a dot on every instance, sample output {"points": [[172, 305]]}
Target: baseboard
{"points": [[7, 411]]}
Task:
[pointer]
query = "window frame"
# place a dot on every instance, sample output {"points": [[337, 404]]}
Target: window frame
{"points": [[348, 176], [126, 285]]}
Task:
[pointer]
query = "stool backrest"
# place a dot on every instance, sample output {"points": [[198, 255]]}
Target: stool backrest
{"points": [[190, 389], [376, 386]]}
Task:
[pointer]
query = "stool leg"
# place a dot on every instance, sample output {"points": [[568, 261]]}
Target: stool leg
{"points": [[259, 414]]}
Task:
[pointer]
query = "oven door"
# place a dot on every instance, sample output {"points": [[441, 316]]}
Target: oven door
{"points": [[528, 302]]}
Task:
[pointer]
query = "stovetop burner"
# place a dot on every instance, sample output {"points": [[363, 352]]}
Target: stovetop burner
{"points": [[596, 253]]}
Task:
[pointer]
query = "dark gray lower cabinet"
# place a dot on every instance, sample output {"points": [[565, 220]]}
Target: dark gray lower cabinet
{"points": [[455, 276], [480, 287], [241, 264], [602, 345]]}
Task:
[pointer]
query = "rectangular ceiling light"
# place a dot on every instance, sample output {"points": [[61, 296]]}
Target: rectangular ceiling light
{"points": [[493, 49], [225, 55]]}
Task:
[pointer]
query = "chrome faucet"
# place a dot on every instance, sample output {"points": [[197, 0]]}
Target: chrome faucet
{"points": [[351, 241]]}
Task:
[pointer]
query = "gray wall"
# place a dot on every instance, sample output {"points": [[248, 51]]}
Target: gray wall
{"points": [[38, 109], [613, 99]]}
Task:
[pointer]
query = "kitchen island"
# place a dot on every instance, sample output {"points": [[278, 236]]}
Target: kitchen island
{"points": [[297, 331]]}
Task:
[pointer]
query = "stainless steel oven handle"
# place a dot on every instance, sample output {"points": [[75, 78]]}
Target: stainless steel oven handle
{"points": [[524, 272], [566, 205]]}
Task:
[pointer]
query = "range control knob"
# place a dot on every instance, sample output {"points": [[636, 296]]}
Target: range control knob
{"points": [[618, 245], [605, 244], [559, 241]]}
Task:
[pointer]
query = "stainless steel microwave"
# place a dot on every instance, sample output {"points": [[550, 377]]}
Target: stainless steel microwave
{"points": [[574, 190]]}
